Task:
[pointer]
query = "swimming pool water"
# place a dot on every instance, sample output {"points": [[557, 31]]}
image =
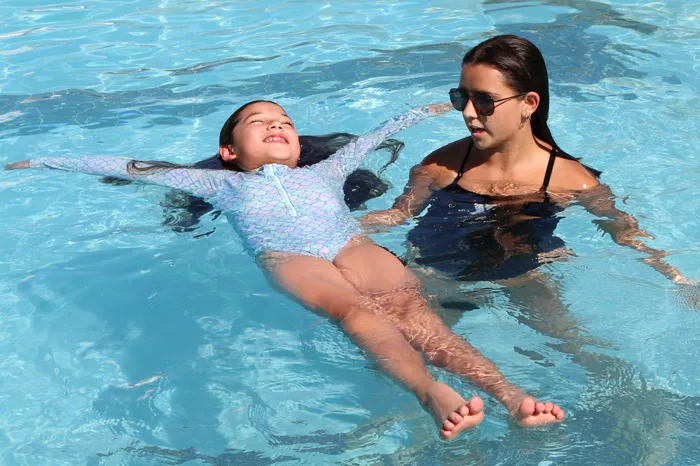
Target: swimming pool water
{"points": [[125, 343]]}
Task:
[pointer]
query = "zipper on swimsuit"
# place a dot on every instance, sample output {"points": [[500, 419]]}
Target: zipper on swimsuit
{"points": [[270, 171]]}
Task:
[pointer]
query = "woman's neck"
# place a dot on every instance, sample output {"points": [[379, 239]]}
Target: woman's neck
{"points": [[516, 151]]}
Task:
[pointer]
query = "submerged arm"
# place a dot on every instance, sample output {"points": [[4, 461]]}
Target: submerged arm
{"points": [[410, 203], [624, 229], [205, 183]]}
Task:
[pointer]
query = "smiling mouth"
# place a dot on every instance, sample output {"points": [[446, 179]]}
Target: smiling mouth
{"points": [[276, 139]]}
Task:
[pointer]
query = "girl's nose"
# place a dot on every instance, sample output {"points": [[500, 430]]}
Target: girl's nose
{"points": [[274, 124]]}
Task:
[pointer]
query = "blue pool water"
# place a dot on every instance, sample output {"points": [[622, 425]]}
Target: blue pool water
{"points": [[123, 342]]}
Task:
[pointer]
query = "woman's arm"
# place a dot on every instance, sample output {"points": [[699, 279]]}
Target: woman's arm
{"points": [[435, 172], [624, 229], [205, 183], [414, 199]]}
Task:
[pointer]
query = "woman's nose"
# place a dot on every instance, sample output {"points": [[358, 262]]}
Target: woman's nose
{"points": [[469, 111]]}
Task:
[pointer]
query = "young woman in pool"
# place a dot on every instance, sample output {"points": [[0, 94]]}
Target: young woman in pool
{"points": [[493, 198], [294, 221]]}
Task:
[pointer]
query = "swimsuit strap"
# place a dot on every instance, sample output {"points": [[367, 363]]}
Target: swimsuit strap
{"points": [[464, 162], [548, 173]]}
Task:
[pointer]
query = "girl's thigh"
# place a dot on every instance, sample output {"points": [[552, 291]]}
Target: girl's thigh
{"points": [[372, 269]]}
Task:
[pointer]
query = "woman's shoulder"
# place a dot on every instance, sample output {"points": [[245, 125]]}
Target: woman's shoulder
{"points": [[449, 156], [570, 174]]}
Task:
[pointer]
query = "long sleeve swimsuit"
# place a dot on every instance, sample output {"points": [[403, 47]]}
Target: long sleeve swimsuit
{"points": [[274, 208]]}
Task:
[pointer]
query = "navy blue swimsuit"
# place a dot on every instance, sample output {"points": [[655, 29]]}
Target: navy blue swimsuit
{"points": [[459, 233]]}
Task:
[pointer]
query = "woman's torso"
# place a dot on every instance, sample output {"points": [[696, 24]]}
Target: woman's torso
{"points": [[476, 236]]}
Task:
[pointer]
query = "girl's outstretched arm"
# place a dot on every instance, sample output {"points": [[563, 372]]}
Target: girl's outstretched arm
{"points": [[349, 158], [205, 183]]}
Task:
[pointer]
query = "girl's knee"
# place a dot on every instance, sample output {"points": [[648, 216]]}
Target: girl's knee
{"points": [[438, 358]]}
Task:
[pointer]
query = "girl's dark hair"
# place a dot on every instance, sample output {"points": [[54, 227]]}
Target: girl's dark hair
{"points": [[183, 211], [524, 70]]}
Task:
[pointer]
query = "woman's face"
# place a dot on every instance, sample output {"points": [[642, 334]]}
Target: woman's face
{"points": [[492, 130]]}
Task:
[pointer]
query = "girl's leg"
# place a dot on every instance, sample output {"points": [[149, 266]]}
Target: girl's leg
{"points": [[377, 273], [319, 285]]}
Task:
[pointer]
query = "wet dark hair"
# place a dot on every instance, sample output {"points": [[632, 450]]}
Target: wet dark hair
{"points": [[183, 211], [524, 70]]}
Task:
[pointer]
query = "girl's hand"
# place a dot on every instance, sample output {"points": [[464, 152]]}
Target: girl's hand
{"points": [[439, 109], [17, 165]]}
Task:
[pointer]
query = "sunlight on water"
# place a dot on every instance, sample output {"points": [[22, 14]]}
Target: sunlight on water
{"points": [[124, 342]]}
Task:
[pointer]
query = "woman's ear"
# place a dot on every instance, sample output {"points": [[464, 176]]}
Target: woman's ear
{"points": [[226, 153], [531, 102]]}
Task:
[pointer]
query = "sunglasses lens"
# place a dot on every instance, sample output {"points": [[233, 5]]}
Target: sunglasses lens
{"points": [[458, 98], [483, 103]]}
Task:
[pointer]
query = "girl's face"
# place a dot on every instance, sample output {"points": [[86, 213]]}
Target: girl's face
{"points": [[264, 134], [493, 125]]}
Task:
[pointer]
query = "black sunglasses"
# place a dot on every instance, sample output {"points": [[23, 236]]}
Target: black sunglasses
{"points": [[483, 103]]}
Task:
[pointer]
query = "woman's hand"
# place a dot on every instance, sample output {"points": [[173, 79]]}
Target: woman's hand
{"points": [[688, 291], [17, 165]]}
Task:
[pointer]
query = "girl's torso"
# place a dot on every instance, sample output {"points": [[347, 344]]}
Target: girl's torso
{"points": [[289, 209]]}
